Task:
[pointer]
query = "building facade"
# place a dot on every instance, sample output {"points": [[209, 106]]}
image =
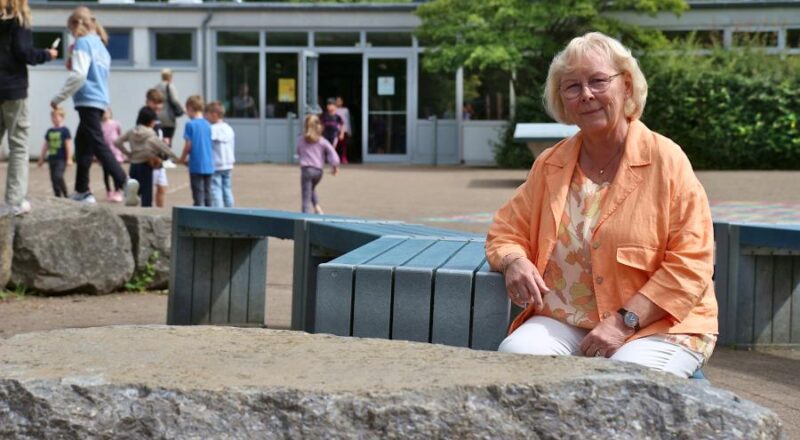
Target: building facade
{"points": [[270, 63]]}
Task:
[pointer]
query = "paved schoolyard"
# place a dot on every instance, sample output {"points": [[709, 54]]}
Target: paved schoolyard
{"points": [[464, 198]]}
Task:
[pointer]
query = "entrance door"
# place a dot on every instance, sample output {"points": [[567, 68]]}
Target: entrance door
{"points": [[386, 102]]}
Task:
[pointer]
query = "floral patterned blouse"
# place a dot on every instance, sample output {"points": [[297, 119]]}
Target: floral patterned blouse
{"points": [[569, 272]]}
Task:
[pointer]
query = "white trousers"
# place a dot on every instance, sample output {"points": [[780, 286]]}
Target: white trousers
{"points": [[545, 336]]}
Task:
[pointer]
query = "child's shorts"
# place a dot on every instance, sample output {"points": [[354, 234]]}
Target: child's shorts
{"points": [[160, 177]]}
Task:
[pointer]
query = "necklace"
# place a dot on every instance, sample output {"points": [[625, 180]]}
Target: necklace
{"points": [[602, 170]]}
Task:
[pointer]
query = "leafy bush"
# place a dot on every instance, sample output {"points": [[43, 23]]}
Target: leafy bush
{"points": [[728, 109]]}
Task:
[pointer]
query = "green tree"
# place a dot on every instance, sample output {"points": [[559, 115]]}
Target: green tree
{"points": [[521, 37]]}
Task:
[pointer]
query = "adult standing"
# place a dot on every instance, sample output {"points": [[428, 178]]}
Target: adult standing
{"points": [[87, 83], [172, 108], [244, 106], [16, 52], [609, 242], [347, 130]]}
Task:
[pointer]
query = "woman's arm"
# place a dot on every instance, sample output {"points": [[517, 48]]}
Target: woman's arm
{"points": [[24, 51]]}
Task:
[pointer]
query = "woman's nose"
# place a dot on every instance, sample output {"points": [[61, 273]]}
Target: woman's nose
{"points": [[586, 93]]}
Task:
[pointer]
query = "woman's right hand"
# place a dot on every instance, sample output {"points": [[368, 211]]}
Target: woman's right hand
{"points": [[524, 284]]}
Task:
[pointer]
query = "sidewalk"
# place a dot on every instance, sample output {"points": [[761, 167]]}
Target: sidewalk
{"points": [[464, 198]]}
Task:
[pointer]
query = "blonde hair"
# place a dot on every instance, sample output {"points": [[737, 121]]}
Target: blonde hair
{"points": [[216, 107], [82, 22], [58, 111], [569, 58], [166, 74], [18, 9], [195, 103], [312, 128]]}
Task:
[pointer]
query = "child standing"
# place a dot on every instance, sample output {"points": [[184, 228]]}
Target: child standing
{"points": [[58, 150], [111, 131], [154, 100], [88, 82], [146, 153], [314, 150], [222, 136], [332, 123], [197, 146], [16, 52]]}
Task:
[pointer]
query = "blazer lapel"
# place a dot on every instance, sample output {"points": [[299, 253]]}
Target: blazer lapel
{"points": [[558, 175], [631, 172]]}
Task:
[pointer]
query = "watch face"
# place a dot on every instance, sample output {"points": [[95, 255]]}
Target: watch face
{"points": [[631, 320]]}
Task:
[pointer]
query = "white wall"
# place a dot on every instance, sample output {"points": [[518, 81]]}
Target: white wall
{"points": [[479, 140]]}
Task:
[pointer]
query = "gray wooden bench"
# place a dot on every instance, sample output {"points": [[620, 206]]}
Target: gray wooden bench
{"points": [[402, 281]]}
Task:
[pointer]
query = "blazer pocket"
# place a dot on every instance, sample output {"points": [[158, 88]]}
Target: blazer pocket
{"points": [[640, 257]]}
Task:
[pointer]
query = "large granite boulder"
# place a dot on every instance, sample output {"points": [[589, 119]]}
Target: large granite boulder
{"points": [[233, 383], [63, 246], [150, 231], [6, 244]]}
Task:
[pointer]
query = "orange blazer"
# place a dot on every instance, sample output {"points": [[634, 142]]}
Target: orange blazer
{"points": [[655, 234]]}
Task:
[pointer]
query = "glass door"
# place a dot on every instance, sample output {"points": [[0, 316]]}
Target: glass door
{"points": [[386, 106]]}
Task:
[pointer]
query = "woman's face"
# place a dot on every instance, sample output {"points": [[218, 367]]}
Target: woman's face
{"points": [[599, 107]]}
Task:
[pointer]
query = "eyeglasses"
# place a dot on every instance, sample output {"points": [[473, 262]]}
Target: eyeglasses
{"points": [[596, 85]]}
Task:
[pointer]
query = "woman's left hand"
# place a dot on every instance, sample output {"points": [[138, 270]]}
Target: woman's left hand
{"points": [[605, 339]]}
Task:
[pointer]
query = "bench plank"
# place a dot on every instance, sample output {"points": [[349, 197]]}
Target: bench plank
{"points": [[257, 282], [413, 291], [240, 280], [721, 275], [203, 258], [492, 310], [221, 281], [372, 307], [335, 284], [179, 305], [745, 300], [452, 301], [762, 316], [795, 337], [782, 301]]}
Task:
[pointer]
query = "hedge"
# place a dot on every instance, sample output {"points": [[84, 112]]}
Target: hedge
{"points": [[728, 109]]}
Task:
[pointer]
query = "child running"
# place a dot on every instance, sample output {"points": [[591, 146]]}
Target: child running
{"points": [[57, 149], [111, 131], [90, 64], [146, 153], [197, 147], [222, 136], [314, 150]]}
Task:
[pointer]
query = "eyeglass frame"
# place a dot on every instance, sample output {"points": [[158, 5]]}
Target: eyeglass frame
{"points": [[605, 81]]}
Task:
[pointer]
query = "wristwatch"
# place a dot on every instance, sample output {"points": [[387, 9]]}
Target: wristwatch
{"points": [[630, 319]]}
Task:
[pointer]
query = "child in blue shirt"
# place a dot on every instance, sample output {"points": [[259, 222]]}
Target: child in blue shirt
{"points": [[198, 147], [57, 149]]}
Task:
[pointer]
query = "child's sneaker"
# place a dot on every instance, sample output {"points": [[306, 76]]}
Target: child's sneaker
{"points": [[22, 209], [85, 197], [131, 192], [168, 164], [115, 197]]}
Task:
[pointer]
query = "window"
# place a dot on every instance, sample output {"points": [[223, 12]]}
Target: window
{"points": [[237, 38], [793, 38], [486, 95], [437, 93], [173, 47], [755, 38], [388, 39], [341, 39], [119, 45], [237, 84], [45, 39], [281, 84], [293, 39], [703, 38]]}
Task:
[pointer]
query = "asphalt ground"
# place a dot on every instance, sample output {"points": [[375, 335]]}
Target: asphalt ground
{"points": [[454, 197]]}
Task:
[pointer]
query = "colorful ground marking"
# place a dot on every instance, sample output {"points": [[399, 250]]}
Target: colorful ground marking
{"points": [[731, 212]]}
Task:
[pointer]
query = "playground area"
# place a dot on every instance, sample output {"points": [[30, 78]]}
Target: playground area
{"points": [[450, 197]]}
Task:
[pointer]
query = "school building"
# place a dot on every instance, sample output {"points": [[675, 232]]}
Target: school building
{"points": [[270, 63]]}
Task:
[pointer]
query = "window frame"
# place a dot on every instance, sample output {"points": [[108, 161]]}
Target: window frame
{"points": [[173, 63], [65, 42]]}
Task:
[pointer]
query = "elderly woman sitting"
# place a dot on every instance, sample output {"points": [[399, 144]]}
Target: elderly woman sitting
{"points": [[608, 244]]}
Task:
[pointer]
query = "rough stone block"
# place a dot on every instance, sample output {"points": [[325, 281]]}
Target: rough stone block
{"points": [[63, 246], [6, 244], [150, 231], [234, 383]]}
